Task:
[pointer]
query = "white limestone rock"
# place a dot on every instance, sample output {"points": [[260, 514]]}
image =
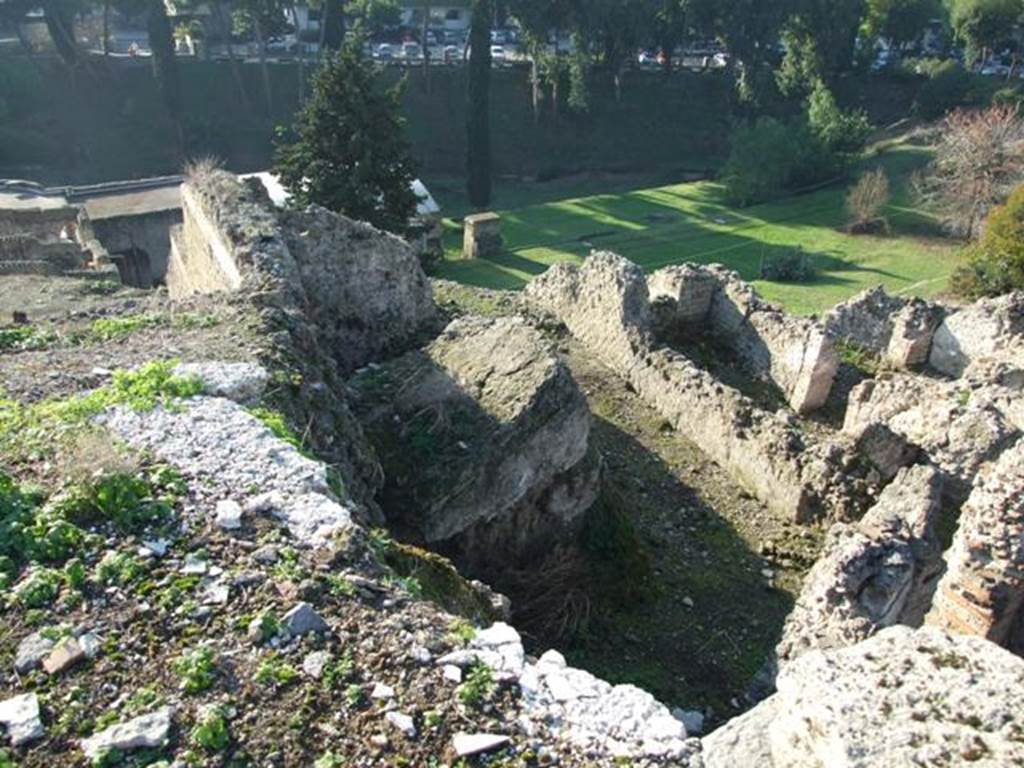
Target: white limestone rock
{"points": [[31, 651], [469, 744], [144, 732], [20, 716], [241, 382]]}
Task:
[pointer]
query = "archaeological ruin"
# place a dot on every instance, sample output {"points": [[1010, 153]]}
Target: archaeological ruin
{"points": [[385, 497]]}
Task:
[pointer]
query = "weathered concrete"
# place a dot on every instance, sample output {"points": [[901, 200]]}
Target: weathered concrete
{"points": [[484, 441], [988, 328], [605, 304], [481, 236], [982, 592], [899, 330], [957, 425], [365, 289], [793, 352], [902, 698]]}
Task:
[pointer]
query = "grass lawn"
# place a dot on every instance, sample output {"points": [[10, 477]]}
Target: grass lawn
{"points": [[691, 222]]}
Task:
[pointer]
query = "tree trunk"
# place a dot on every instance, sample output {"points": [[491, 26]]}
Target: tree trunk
{"points": [[262, 45], [426, 46], [299, 54], [478, 124], [332, 25], [535, 85], [61, 27], [165, 66], [236, 72], [106, 27]]}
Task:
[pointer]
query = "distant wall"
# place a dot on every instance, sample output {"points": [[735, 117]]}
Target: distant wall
{"points": [[61, 128]]}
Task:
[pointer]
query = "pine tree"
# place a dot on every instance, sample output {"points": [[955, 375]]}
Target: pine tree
{"points": [[346, 150], [478, 121]]}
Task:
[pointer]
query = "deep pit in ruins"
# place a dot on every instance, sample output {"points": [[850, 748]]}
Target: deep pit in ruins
{"points": [[674, 483]]}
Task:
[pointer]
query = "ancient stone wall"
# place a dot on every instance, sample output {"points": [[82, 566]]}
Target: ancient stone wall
{"points": [[484, 441], [982, 592], [958, 425], [899, 330], [873, 574], [794, 353], [605, 304], [988, 328]]}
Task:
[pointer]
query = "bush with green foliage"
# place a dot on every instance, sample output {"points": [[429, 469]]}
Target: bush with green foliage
{"points": [[948, 86], [995, 264], [1012, 96], [789, 266], [478, 685], [843, 131], [771, 157]]}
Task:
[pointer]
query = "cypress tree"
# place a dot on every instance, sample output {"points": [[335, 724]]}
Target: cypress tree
{"points": [[165, 66], [478, 120], [346, 150]]}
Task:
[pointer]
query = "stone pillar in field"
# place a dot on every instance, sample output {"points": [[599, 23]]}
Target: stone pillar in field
{"points": [[482, 236]]}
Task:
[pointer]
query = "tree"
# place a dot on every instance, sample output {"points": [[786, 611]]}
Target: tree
{"points": [[995, 265], [866, 200], [900, 21], [59, 16], [979, 159], [820, 39], [843, 132], [346, 150], [261, 19], [376, 16], [750, 30], [537, 19], [983, 24], [165, 65], [332, 20], [478, 121]]}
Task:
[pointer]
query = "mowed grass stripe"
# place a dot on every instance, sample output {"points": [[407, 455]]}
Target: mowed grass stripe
{"points": [[691, 222]]}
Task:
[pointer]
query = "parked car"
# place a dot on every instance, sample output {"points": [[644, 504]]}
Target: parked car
{"points": [[498, 54], [646, 59], [452, 54], [385, 52], [412, 52]]}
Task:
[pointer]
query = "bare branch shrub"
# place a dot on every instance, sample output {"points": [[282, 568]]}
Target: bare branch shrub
{"points": [[979, 159], [199, 168], [866, 201]]}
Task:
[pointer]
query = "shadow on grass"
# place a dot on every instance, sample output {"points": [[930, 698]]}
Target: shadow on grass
{"points": [[689, 656]]}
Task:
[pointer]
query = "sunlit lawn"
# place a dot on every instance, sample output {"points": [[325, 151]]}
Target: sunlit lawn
{"points": [[691, 222]]}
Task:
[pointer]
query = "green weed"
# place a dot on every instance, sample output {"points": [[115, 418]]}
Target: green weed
{"points": [[196, 669], [20, 338], [211, 733], [478, 685], [275, 672]]}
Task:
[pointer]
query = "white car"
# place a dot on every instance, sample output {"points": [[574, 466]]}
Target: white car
{"points": [[385, 52], [498, 53]]}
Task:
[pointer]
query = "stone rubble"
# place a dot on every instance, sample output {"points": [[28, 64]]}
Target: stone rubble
{"points": [[241, 382], [219, 443], [31, 651], [990, 328], [620, 720], [873, 574], [142, 732], [898, 330]]}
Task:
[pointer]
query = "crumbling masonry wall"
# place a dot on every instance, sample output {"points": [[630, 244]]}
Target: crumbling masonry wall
{"points": [[795, 353], [605, 304]]}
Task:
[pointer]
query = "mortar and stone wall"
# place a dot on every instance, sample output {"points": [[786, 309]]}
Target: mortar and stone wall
{"points": [[605, 303], [796, 354]]}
